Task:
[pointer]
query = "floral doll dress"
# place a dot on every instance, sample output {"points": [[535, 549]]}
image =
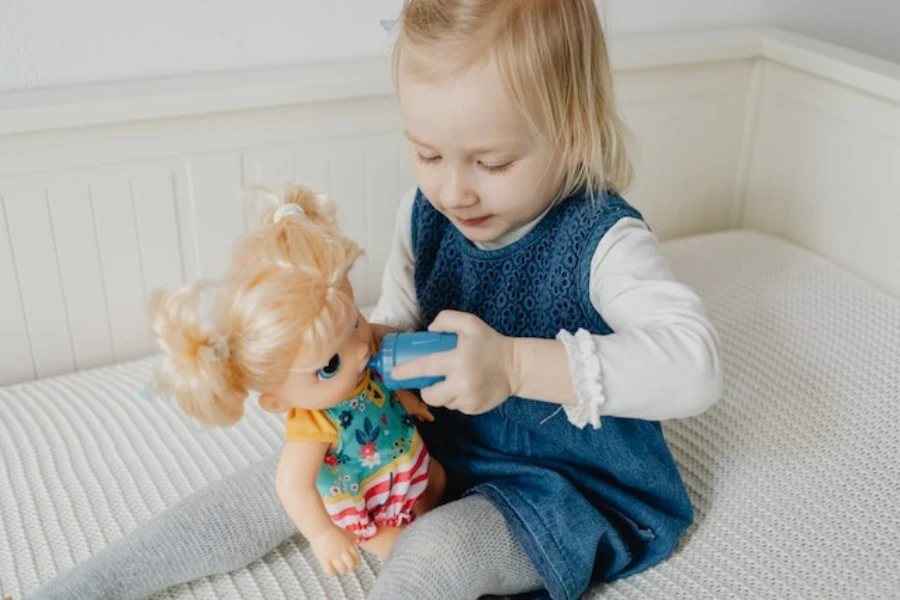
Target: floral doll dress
{"points": [[377, 465]]}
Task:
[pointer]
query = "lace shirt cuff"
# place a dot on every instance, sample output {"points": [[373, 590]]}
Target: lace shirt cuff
{"points": [[587, 377]]}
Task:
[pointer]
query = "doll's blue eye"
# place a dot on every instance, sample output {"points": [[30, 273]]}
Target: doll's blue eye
{"points": [[331, 369]]}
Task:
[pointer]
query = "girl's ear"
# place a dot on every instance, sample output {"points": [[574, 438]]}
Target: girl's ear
{"points": [[271, 403]]}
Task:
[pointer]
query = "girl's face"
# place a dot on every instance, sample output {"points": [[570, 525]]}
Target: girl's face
{"points": [[476, 160]]}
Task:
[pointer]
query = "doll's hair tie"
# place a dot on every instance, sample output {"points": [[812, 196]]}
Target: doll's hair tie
{"points": [[218, 345], [217, 342], [287, 210]]}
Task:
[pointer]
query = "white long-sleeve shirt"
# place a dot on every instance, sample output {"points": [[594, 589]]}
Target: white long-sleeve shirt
{"points": [[660, 362]]}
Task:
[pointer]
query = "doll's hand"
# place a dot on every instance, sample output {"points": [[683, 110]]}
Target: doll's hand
{"points": [[414, 406], [421, 411], [478, 372], [336, 550]]}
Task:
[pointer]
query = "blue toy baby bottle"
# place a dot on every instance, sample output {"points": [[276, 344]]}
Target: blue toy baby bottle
{"points": [[399, 348]]}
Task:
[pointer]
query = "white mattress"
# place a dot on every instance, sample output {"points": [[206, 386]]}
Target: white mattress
{"points": [[794, 475]]}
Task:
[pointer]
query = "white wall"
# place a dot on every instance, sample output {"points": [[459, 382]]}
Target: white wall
{"points": [[62, 42], [871, 26]]}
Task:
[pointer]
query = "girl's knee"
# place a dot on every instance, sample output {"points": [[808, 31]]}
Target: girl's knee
{"points": [[433, 539]]}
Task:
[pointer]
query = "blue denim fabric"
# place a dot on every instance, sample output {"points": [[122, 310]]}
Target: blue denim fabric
{"points": [[585, 504]]}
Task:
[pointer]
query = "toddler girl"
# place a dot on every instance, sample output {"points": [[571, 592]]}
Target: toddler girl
{"points": [[574, 338]]}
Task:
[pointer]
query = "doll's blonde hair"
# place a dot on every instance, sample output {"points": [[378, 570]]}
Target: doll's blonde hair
{"points": [[284, 296], [553, 59]]}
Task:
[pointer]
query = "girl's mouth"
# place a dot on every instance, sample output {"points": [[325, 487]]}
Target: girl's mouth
{"points": [[474, 222]]}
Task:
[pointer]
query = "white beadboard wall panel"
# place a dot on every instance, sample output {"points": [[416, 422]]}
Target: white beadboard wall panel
{"points": [[72, 215], [364, 177], [36, 255], [344, 172], [147, 206], [156, 220], [687, 124], [387, 167], [121, 262], [211, 212], [825, 172], [16, 355], [86, 147], [111, 192], [166, 196]]}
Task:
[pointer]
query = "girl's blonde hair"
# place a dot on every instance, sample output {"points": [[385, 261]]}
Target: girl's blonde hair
{"points": [[553, 58], [284, 293]]}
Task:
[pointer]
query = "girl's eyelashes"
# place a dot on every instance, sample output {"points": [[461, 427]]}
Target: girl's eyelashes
{"points": [[490, 168], [496, 169], [331, 369], [427, 160], [501, 168]]}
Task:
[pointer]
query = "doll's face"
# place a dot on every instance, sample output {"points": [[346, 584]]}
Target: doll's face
{"points": [[331, 383]]}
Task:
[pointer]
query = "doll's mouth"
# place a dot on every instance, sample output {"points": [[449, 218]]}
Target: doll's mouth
{"points": [[364, 371]]}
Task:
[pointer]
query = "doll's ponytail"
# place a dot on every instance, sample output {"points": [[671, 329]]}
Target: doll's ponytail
{"points": [[296, 201], [197, 369], [284, 299]]}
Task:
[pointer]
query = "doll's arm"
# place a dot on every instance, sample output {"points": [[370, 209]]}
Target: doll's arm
{"points": [[380, 330], [414, 405], [295, 481]]}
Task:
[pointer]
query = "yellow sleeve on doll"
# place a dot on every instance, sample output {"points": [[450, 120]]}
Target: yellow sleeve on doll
{"points": [[310, 425]]}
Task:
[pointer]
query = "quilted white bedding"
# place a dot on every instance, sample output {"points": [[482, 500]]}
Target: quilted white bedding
{"points": [[794, 475]]}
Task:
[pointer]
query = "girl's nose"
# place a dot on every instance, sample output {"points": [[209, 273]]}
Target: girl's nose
{"points": [[460, 200], [457, 193]]}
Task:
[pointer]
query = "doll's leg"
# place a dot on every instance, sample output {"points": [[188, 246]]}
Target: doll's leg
{"points": [[383, 542], [437, 483], [225, 526], [463, 549]]}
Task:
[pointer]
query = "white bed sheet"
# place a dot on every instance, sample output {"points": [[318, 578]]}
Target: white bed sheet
{"points": [[794, 475]]}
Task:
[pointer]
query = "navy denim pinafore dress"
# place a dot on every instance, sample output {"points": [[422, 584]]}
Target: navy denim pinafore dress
{"points": [[585, 504]]}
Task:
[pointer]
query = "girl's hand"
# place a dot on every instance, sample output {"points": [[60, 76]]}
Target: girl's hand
{"points": [[336, 550], [479, 373]]}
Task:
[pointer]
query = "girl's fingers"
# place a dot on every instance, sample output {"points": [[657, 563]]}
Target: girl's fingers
{"points": [[432, 365], [439, 394], [451, 321]]}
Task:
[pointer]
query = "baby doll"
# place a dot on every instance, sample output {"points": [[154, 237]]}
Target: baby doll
{"points": [[283, 323]]}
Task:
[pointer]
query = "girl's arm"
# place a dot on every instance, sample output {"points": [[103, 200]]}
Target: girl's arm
{"points": [[295, 482], [662, 360], [397, 309]]}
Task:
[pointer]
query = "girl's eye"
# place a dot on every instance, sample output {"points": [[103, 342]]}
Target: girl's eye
{"points": [[427, 160], [496, 168], [331, 369]]}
